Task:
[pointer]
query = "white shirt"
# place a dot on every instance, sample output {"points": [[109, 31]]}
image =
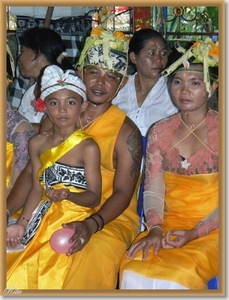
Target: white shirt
{"points": [[156, 106], [27, 108]]}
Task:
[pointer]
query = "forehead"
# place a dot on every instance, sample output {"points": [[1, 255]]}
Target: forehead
{"points": [[155, 43], [25, 49], [192, 71]]}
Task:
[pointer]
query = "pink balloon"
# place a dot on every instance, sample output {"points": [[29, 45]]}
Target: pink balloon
{"points": [[59, 240]]}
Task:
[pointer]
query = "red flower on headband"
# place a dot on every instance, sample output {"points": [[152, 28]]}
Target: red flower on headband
{"points": [[39, 104]]}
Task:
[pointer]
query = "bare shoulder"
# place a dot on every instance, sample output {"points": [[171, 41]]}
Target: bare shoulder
{"points": [[89, 142], [128, 145], [89, 145], [39, 141], [128, 150], [130, 133]]}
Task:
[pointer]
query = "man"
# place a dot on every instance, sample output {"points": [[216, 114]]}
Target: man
{"points": [[109, 232]]}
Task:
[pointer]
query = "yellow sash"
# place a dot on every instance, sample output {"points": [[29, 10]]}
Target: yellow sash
{"points": [[9, 161]]}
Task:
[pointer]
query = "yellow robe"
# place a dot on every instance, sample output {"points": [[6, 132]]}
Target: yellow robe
{"points": [[96, 266], [189, 199], [38, 266], [9, 160]]}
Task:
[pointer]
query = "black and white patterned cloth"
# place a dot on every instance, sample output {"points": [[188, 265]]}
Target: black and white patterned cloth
{"points": [[56, 174]]}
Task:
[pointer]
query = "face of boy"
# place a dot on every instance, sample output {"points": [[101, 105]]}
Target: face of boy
{"points": [[101, 85], [64, 107]]}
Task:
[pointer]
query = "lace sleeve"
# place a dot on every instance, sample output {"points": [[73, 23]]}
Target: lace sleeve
{"points": [[20, 139], [154, 182], [208, 224]]}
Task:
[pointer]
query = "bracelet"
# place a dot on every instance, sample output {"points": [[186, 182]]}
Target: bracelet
{"points": [[91, 217], [23, 218], [155, 226], [101, 218]]}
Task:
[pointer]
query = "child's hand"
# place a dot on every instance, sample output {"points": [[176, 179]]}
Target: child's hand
{"points": [[58, 195], [14, 235]]}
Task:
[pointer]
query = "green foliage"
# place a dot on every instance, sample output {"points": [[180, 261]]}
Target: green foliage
{"points": [[213, 14]]}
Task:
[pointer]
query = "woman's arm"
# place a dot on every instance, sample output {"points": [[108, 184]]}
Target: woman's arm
{"points": [[154, 189], [208, 224], [20, 139]]}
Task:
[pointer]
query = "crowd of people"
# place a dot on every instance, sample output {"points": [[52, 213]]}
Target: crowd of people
{"points": [[84, 167]]}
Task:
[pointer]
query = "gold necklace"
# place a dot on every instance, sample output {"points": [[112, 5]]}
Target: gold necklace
{"points": [[191, 131], [138, 84], [88, 122]]}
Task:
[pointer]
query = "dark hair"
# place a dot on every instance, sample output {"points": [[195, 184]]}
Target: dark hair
{"points": [[45, 41], [140, 37]]}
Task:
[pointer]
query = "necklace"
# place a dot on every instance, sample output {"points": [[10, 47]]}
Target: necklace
{"points": [[88, 122], [138, 84], [191, 131], [93, 103], [184, 163], [192, 126], [50, 134]]}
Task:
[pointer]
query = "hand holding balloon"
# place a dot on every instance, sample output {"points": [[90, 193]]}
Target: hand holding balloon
{"points": [[59, 240]]}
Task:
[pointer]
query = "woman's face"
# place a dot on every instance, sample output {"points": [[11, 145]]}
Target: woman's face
{"points": [[188, 90], [152, 59], [30, 67]]}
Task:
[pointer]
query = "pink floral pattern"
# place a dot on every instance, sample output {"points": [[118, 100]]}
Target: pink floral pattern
{"points": [[162, 156]]}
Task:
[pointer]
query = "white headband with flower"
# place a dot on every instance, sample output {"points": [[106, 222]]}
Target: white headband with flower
{"points": [[55, 79]]}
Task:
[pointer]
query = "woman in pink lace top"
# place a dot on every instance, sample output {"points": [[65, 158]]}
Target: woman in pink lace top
{"points": [[179, 249]]}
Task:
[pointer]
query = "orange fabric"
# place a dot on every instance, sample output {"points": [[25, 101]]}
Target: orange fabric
{"points": [[188, 200], [38, 266], [9, 160], [96, 266]]}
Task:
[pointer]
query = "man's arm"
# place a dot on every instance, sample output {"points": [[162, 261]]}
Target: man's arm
{"points": [[127, 161]]}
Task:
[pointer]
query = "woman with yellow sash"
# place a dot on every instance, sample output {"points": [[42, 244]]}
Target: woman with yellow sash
{"points": [[66, 185], [179, 249]]}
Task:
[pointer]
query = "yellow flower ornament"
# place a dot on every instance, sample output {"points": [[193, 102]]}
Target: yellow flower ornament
{"points": [[105, 49], [205, 52]]}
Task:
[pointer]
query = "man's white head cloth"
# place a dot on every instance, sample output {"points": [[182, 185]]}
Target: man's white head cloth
{"points": [[55, 79]]}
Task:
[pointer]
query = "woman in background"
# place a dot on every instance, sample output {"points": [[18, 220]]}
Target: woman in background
{"points": [[40, 47], [145, 97]]}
